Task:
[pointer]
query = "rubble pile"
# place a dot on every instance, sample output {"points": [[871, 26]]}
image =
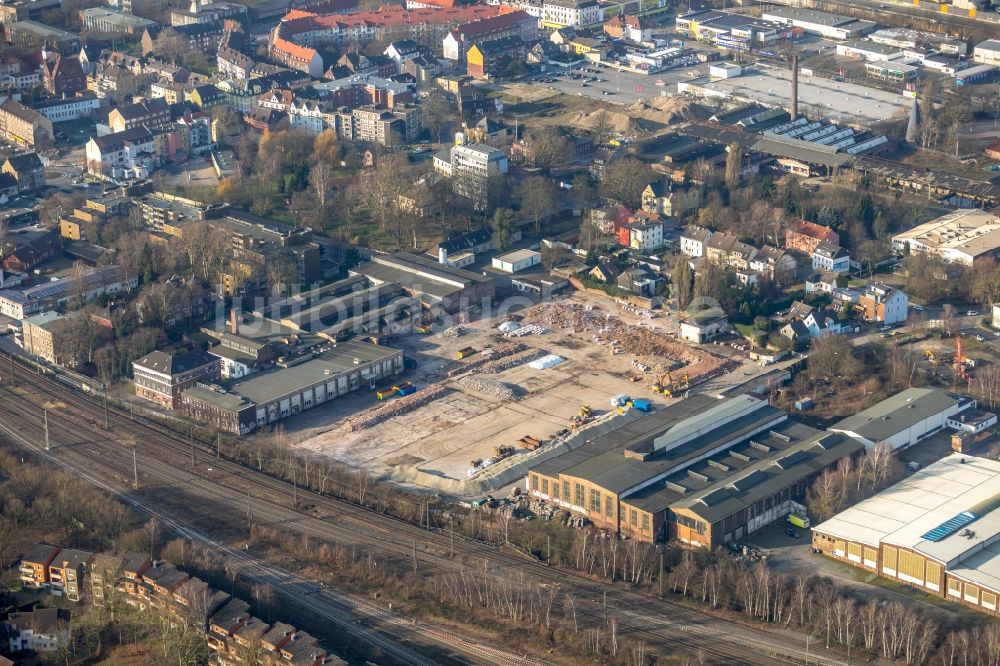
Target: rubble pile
{"points": [[637, 340], [489, 355], [375, 415], [453, 332], [499, 365], [492, 387]]}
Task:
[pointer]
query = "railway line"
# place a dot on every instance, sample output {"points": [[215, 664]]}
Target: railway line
{"points": [[81, 444]]}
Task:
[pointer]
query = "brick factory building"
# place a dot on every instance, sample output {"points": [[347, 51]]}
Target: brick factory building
{"points": [[705, 471]]}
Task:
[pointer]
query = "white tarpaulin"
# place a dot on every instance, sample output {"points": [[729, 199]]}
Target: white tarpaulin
{"points": [[546, 362]]}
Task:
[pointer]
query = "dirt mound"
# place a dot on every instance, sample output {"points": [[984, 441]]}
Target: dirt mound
{"points": [[664, 109]]}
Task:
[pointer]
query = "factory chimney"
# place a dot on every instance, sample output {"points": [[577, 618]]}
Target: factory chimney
{"points": [[795, 87]]}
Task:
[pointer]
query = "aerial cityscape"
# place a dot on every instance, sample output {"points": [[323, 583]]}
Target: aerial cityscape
{"points": [[503, 332]]}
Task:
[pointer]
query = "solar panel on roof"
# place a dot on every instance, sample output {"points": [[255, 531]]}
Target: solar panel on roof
{"points": [[949, 527]]}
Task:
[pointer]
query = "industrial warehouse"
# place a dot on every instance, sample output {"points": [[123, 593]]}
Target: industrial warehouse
{"points": [[938, 529], [703, 470]]}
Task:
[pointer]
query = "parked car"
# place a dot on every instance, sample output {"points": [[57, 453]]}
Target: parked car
{"points": [[792, 533], [972, 313]]}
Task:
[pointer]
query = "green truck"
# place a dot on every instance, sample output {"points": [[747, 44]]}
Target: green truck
{"points": [[798, 521]]}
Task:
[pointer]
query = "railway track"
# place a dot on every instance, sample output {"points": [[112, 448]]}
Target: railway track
{"points": [[81, 443]]}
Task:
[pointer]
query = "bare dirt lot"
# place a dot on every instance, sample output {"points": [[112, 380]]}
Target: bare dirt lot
{"points": [[438, 438]]}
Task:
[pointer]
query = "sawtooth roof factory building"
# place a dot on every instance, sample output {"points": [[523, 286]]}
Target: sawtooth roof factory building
{"points": [[704, 470], [938, 530]]}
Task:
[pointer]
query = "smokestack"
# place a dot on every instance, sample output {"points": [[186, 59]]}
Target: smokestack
{"points": [[795, 87], [234, 321]]}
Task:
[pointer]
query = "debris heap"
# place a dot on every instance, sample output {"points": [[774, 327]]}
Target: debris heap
{"points": [[492, 387], [375, 415]]}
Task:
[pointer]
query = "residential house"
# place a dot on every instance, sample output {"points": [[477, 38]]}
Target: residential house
{"points": [[643, 231], [471, 167], [206, 96], [605, 272], [778, 265], [34, 568], [727, 250], [805, 236], [63, 75], [694, 240], [302, 58], [829, 257], [404, 50], [40, 630], [486, 131], [663, 197], [883, 303], [66, 572], [640, 281], [161, 377], [23, 125], [631, 28], [27, 169], [824, 322], [699, 329], [825, 281], [486, 60]]}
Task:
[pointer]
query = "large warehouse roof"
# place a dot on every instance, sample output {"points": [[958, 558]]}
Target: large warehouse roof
{"points": [[898, 413], [947, 510]]}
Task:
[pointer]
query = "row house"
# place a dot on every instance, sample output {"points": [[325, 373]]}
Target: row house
{"points": [[517, 24], [388, 22], [233, 63], [19, 73], [203, 37], [232, 630], [148, 113], [33, 570], [302, 58], [314, 116], [358, 63]]}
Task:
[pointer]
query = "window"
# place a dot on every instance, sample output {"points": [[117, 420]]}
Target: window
{"points": [[565, 491], [634, 518], [578, 494], [911, 567], [989, 600], [555, 490], [854, 552], [871, 557], [609, 506], [645, 522], [534, 482], [889, 560], [954, 587], [595, 501], [971, 593], [545, 486], [933, 577]]}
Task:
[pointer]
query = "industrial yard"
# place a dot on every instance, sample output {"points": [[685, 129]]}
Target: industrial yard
{"points": [[466, 410]]}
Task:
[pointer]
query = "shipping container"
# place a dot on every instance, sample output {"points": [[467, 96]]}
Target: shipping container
{"points": [[383, 394], [466, 353], [642, 404]]}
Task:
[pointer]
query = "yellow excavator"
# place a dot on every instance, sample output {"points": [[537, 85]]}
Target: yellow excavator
{"points": [[663, 384]]}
